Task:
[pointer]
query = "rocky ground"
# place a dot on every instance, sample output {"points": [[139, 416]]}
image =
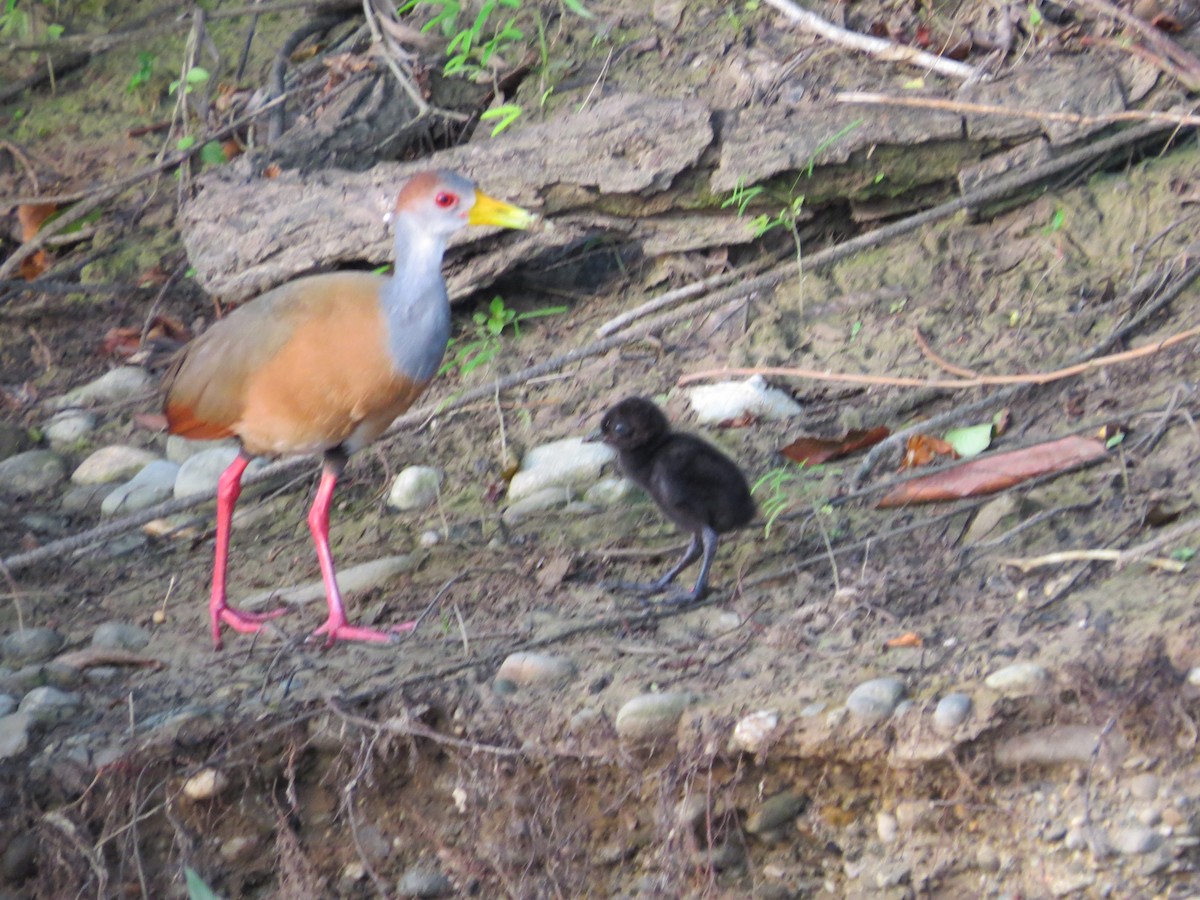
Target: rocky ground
{"points": [[871, 702]]}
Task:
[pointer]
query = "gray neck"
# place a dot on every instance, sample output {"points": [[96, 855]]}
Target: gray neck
{"points": [[415, 304]]}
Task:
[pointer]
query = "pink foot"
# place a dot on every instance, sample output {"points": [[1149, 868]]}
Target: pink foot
{"points": [[339, 630], [240, 621]]}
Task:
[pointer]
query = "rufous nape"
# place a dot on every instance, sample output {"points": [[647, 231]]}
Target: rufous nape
{"points": [[695, 485], [324, 364]]}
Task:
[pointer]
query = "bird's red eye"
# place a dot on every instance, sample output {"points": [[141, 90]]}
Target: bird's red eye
{"points": [[445, 200]]}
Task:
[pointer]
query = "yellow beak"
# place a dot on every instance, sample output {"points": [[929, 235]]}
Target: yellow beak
{"points": [[490, 211]]}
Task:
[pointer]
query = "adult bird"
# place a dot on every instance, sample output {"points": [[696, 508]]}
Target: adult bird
{"points": [[324, 364], [695, 485]]}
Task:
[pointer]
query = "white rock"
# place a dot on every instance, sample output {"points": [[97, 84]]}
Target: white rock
{"points": [[153, 484], [536, 668], [114, 463], [887, 827], [199, 473], [538, 501], [352, 580], [205, 785], [752, 731], [650, 716], [1193, 676], [1134, 840], [69, 427], [610, 491], [875, 699], [119, 384], [32, 472], [570, 463], [952, 710], [180, 449], [415, 488], [729, 400], [1019, 679]]}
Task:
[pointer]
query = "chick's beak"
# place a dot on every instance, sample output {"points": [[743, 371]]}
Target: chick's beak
{"points": [[595, 437], [490, 211]]}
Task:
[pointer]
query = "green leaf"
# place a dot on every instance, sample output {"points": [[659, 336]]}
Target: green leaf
{"points": [[1183, 554], [197, 75], [506, 114], [197, 889], [54, 32], [186, 142], [213, 154], [970, 440], [578, 8]]}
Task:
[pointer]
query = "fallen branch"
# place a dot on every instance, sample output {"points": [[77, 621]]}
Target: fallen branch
{"points": [[877, 47], [1184, 66], [1028, 564]]}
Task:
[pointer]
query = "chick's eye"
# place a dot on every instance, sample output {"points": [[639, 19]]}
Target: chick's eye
{"points": [[620, 428], [445, 200]]}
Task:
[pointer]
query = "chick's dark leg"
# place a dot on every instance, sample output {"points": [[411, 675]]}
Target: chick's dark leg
{"points": [[690, 555], [709, 539]]}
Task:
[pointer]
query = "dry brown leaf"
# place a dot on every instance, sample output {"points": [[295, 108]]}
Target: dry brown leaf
{"points": [[922, 449], [908, 639], [813, 451], [995, 472], [31, 217], [550, 574]]}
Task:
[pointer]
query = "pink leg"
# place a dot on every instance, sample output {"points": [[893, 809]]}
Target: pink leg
{"points": [[336, 627], [229, 488]]}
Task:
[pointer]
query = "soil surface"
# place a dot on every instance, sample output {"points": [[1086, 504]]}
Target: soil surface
{"points": [[278, 769]]}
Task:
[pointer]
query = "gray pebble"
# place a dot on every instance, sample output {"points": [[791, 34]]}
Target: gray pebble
{"points": [[1144, 786], [569, 463], [724, 855], [180, 449], [422, 882], [13, 439], [199, 473], [416, 487], [1018, 679], [85, 498], [8, 703], [952, 710], [119, 384], [153, 484], [120, 636], [30, 473], [650, 716], [536, 668], [115, 463], [430, 538], [536, 502], [14, 734], [1134, 840], [986, 859], [31, 645], [774, 812], [68, 428], [49, 706], [875, 699], [813, 709]]}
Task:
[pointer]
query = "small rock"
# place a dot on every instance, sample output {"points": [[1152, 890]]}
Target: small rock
{"points": [[20, 858], [8, 703], [199, 473], [352, 580], [651, 716], [430, 538], [610, 491], [1019, 679], [536, 668], [887, 827], [1193, 676], [68, 428], [538, 501], [751, 732], [892, 875], [986, 859], [30, 473], [84, 498], [730, 400], [113, 463], [13, 439], [205, 785], [48, 705], [724, 855], [569, 463], [120, 636], [952, 710], [875, 699], [14, 734], [153, 484], [31, 645], [423, 882], [1144, 786], [813, 709], [238, 847], [1050, 746], [693, 810], [1134, 840], [1150, 816], [774, 812], [915, 815], [353, 872], [415, 488], [120, 384], [180, 449]]}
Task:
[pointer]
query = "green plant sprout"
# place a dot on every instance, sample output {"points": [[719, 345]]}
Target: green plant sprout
{"points": [[506, 114], [778, 499], [488, 327], [145, 70], [195, 77]]}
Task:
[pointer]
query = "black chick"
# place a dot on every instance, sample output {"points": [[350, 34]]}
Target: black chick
{"points": [[696, 486]]}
